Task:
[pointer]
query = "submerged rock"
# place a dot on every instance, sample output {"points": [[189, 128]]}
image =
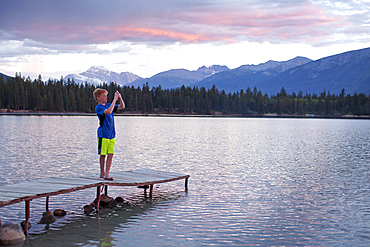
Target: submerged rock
{"points": [[47, 218], [119, 199], [106, 201], [23, 225], [59, 212], [88, 209], [11, 234]]}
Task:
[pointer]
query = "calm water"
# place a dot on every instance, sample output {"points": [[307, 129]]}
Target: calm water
{"points": [[268, 182]]}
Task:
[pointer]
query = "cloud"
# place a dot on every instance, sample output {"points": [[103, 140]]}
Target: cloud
{"points": [[122, 48], [99, 22], [43, 27], [14, 48]]}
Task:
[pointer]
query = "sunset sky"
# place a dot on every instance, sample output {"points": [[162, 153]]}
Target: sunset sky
{"points": [[56, 38]]}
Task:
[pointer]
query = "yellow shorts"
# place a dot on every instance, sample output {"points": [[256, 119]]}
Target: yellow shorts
{"points": [[106, 146]]}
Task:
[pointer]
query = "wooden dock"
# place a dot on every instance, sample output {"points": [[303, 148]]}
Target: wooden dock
{"points": [[46, 187]]}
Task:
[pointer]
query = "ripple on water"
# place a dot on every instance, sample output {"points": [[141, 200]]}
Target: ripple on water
{"points": [[253, 181]]}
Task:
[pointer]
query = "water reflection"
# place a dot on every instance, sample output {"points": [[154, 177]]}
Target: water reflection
{"points": [[253, 181], [97, 229]]}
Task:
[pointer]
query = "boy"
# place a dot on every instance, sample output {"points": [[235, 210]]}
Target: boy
{"points": [[106, 130]]}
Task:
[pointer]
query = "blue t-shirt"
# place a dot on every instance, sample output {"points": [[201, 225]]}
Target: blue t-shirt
{"points": [[106, 128]]}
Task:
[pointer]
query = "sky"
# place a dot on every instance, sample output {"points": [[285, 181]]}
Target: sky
{"points": [[53, 38]]}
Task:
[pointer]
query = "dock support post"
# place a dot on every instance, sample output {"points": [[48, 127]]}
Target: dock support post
{"points": [[151, 191], [97, 198], [47, 203], [106, 190], [27, 216], [186, 184]]}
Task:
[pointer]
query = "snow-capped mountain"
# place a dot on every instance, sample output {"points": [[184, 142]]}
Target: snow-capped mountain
{"points": [[349, 71], [177, 77], [97, 75], [208, 71]]}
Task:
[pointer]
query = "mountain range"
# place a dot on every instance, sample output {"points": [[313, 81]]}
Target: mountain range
{"points": [[349, 71], [98, 74], [251, 75], [177, 77]]}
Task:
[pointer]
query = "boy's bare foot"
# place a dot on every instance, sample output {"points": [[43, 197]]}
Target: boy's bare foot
{"points": [[101, 176], [108, 178]]}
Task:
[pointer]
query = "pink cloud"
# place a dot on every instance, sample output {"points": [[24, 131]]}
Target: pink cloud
{"points": [[302, 20], [293, 23], [201, 22]]}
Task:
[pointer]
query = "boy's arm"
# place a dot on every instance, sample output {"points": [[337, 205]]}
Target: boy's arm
{"points": [[122, 105], [111, 107]]}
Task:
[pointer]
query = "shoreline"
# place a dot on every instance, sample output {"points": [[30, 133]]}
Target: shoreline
{"points": [[24, 113]]}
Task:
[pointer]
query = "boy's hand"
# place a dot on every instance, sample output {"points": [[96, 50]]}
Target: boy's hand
{"points": [[117, 96], [122, 104]]}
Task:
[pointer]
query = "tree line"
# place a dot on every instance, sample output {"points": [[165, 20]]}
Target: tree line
{"points": [[67, 96]]}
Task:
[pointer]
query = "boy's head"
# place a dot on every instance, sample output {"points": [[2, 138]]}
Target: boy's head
{"points": [[97, 92]]}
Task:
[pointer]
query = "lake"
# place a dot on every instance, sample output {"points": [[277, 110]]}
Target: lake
{"points": [[253, 181]]}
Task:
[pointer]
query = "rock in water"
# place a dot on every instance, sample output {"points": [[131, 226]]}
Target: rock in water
{"points": [[11, 234], [106, 201], [59, 212], [47, 218], [23, 225], [119, 199], [88, 209]]}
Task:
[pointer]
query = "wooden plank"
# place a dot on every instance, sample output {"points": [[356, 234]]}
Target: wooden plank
{"points": [[155, 174], [126, 178], [159, 173], [156, 177], [32, 187], [38, 188], [131, 174], [149, 175], [7, 198], [70, 181], [164, 175], [134, 182], [151, 171], [122, 177], [12, 194]]}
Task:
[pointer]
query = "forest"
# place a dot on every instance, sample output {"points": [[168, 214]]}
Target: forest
{"points": [[20, 93]]}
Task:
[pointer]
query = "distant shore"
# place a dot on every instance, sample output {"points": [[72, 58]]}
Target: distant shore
{"points": [[217, 115]]}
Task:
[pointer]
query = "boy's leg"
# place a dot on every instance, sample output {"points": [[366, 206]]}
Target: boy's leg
{"points": [[102, 147], [110, 153], [109, 163], [102, 163]]}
